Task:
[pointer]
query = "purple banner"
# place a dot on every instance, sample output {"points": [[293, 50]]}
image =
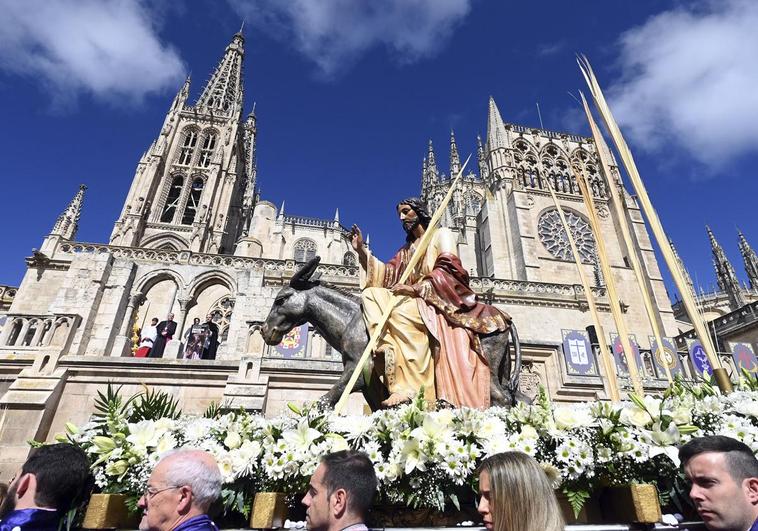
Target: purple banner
{"points": [[577, 351], [699, 358], [668, 357], [620, 356], [294, 343], [744, 357]]}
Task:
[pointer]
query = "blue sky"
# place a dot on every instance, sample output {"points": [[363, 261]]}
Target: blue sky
{"points": [[348, 94]]}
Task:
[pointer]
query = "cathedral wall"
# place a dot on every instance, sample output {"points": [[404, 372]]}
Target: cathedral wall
{"points": [[330, 245], [110, 315], [501, 237], [38, 290]]}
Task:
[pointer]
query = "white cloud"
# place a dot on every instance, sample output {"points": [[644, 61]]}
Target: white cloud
{"points": [[335, 33], [689, 79], [108, 48]]}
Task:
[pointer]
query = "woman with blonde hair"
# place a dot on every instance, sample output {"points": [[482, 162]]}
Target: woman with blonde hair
{"points": [[516, 495]]}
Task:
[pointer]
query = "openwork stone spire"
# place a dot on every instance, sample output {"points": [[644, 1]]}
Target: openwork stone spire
{"points": [[495, 128], [481, 158], [68, 222], [455, 159], [431, 163], [683, 269], [725, 274], [223, 93], [750, 259]]}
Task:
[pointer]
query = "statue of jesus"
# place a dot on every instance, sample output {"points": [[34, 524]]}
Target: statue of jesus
{"points": [[431, 339]]}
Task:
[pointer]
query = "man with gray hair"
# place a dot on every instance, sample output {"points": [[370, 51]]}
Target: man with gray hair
{"points": [[180, 491]]}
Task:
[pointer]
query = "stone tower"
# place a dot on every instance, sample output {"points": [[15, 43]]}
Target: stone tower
{"points": [[727, 278], [508, 227], [194, 188]]}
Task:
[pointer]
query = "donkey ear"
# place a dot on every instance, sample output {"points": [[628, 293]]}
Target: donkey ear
{"points": [[304, 273]]}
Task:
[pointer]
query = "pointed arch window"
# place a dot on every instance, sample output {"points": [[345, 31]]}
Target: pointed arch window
{"points": [[193, 201], [305, 249], [349, 260], [188, 147], [206, 152], [172, 201], [222, 315], [473, 204]]}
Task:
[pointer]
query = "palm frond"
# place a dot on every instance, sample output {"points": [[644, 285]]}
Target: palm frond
{"points": [[153, 405]]}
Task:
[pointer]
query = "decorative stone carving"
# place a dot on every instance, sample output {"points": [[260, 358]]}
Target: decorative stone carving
{"points": [[554, 237], [529, 380]]}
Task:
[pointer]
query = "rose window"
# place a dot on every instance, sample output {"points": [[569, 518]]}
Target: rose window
{"points": [[555, 240]]}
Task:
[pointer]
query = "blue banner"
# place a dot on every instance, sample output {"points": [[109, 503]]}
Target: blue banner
{"points": [[699, 358], [577, 351], [669, 357], [744, 357], [294, 343]]}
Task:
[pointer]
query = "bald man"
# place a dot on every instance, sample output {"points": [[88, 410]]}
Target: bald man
{"points": [[180, 491]]}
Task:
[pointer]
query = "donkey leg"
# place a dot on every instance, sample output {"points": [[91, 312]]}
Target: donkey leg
{"points": [[333, 395]]}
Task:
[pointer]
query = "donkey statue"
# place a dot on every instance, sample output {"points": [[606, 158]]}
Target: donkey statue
{"points": [[336, 314]]}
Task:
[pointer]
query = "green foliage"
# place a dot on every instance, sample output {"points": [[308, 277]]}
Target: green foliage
{"points": [[748, 381], [110, 408], [153, 405], [213, 411], [576, 498], [235, 501], [131, 504]]}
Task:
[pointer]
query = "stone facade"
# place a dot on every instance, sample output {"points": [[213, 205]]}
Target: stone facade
{"points": [[194, 238]]}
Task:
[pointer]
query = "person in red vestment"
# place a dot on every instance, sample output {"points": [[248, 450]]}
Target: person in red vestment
{"points": [[431, 339]]}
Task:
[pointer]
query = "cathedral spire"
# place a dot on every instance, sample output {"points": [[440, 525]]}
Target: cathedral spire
{"points": [[725, 275], [750, 259], [223, 93], [495, 127], [455, 159], [431, 163], [183, 94], [683, 269], [68, 222], [481, 157]]}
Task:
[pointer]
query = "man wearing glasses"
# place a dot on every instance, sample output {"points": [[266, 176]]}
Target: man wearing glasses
{"points": [[180, 491]]}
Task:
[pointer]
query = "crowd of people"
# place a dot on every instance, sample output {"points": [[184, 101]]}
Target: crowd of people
{"points": [[514, 491], [200, 339]]}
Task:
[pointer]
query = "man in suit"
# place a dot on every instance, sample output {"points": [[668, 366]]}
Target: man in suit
{"points": [[211, 338], [166, 330]]}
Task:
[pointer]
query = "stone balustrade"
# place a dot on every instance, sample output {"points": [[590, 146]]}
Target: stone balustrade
{"points": [[33, 332]]}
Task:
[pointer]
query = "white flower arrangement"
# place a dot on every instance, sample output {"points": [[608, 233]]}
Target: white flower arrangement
{"points": [[425, 458]]}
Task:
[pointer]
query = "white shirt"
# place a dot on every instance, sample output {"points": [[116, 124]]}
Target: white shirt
{"points": [[149, 333]]}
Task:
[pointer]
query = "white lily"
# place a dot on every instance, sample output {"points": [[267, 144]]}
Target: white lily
{"points": [[302, 436]]}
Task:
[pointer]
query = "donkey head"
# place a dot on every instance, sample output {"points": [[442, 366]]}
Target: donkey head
{"points": [[288, 310]]}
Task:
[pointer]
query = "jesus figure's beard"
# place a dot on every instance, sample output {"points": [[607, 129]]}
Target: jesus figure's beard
{"points": [[410, 224]]}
